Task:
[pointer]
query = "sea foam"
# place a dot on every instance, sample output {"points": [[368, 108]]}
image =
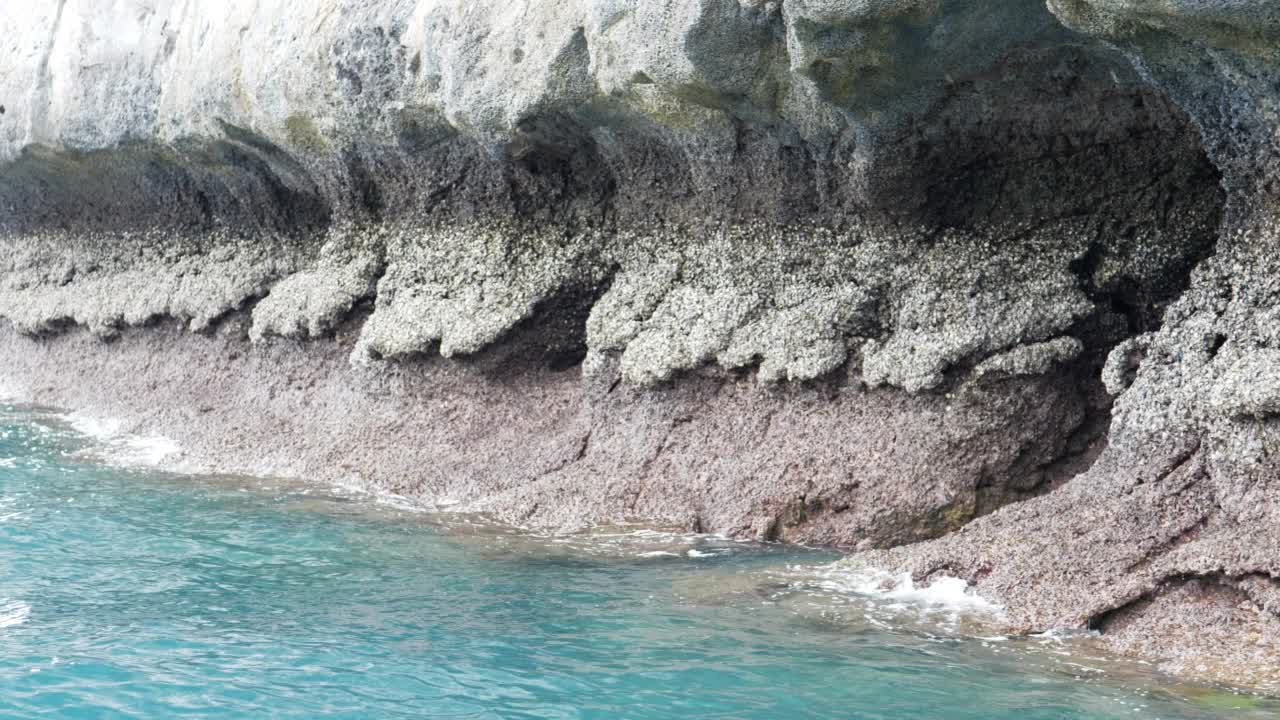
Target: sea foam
{"points": [[122, 447], [944, 594]]}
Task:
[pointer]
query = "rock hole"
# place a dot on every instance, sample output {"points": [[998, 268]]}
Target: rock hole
{"points": [[553, 336], [363, 184], [1216, 343]]}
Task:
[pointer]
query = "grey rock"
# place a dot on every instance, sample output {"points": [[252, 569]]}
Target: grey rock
{"points": [[535, 445], [1036, 359], [867, 273], [1166, 545]]}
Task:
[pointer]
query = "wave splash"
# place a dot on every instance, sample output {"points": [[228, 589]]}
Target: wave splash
{"points": [[945, 603], [945, 593], [121, 447]]}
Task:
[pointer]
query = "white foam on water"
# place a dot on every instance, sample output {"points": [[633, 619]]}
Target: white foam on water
{"points": [[95, 427], [944, 594], [694, 553], [151, 450], [657, 553], [123, 448], [13, 613]]}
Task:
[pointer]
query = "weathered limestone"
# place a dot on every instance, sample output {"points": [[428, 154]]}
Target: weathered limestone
{"points": [[541, 446], [1167, 544], [862, 272]]}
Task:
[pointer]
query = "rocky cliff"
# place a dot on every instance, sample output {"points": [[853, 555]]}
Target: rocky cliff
{"points": [[995, 276]]}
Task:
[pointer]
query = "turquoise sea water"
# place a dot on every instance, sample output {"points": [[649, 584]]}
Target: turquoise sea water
{"points": [[127, 593]]}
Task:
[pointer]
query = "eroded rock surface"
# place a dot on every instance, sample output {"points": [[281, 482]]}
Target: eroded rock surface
{"points": [[1171, 533], [864, 273]]}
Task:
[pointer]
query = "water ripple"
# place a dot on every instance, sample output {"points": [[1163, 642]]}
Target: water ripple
{"points": [[13, 613]]}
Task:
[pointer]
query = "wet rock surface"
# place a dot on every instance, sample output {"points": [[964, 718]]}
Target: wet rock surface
{"points": [[997, 276]]}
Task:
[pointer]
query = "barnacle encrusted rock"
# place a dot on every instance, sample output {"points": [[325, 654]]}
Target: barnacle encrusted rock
{"points": [[1167, 544], [999, 275]]}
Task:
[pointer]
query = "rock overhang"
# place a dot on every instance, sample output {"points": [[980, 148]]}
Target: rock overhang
{"points": [[934, 211]]}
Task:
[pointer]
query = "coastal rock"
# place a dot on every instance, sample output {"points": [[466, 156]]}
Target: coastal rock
{"points": [[1166, 545], [998, 276]]}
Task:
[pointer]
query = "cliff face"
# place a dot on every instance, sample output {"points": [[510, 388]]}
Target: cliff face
{"points": [[861, 272], [1177, 518]]}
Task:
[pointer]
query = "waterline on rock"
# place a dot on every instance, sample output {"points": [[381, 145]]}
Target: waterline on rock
{"points": [[123, 448], [946, 594], [161, 593]]}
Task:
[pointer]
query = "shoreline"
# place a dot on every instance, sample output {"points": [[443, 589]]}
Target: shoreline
{"points": [[985, 290], [544, 447], [947, 605], [221, 426]]}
